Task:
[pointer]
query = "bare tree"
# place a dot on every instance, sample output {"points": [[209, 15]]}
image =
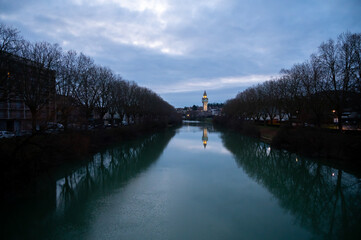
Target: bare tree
{"points": [[85, 87], [334, 87], [9, 45], [339, 62], [313, 85], [43, 72], [131, 102], [122, 99], [66, 78], [113, 98], [104, 78], [349, 47], [37, 81], [294, 104], [270, 95], [9, 39], [356, 67], [309, 92], [281, 93]]}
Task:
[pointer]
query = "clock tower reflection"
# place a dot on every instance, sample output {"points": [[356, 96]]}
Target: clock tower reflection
{"points": [[205, 137]]}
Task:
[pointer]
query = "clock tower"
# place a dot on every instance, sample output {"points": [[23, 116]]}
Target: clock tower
{"points": [[205, 101]]}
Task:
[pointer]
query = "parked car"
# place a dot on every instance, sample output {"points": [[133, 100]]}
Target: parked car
{"points": [[6, 134]]}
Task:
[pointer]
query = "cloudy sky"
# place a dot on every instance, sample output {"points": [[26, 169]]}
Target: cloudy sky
{"points": [[179, 48]]}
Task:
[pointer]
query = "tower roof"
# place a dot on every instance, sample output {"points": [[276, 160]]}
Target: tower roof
{"points": [[204, 94]]}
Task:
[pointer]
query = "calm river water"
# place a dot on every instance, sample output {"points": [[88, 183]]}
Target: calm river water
{"points": [[191, 183]]}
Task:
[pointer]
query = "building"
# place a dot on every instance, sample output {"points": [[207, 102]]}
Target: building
{"points": [[20, 87], [216, 111], [205, 101]]}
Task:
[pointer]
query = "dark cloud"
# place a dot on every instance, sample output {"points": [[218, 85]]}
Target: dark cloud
{"points": [[170, 43]]}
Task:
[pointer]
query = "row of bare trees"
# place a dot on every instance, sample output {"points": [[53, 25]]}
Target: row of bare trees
{"points": [[327, 84], [81, 85]]}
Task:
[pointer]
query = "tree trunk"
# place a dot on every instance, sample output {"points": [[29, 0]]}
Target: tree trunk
{"points": [[339, 123], [65, 122], [34, 117], [101, 117], [271, 119], [112, 119]]}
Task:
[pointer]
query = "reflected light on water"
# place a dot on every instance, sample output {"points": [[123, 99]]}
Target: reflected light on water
{"points": [[268, 151], [205, 137], [195, 146]]}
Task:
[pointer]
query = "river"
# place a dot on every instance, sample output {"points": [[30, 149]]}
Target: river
{"points": [[193, 182]]}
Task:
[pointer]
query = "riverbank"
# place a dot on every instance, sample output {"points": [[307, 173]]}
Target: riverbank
{"points": [[342, 148], [23, 159], [330, 145]]}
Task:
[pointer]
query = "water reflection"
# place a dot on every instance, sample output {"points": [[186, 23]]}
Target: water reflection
{"points": [[205, 137], [191, 193], [110, 169], [325, 200], [64, 200], [205, 127]]}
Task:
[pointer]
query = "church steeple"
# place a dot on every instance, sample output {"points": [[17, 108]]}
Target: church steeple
{"points": [[205, 101]]}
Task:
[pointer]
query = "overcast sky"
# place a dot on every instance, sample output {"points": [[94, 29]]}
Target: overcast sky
{"points": [[179, 48]]}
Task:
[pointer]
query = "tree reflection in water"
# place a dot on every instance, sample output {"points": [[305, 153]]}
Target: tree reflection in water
{"points": [[323, 199], [109, 170], [62, 203]]}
